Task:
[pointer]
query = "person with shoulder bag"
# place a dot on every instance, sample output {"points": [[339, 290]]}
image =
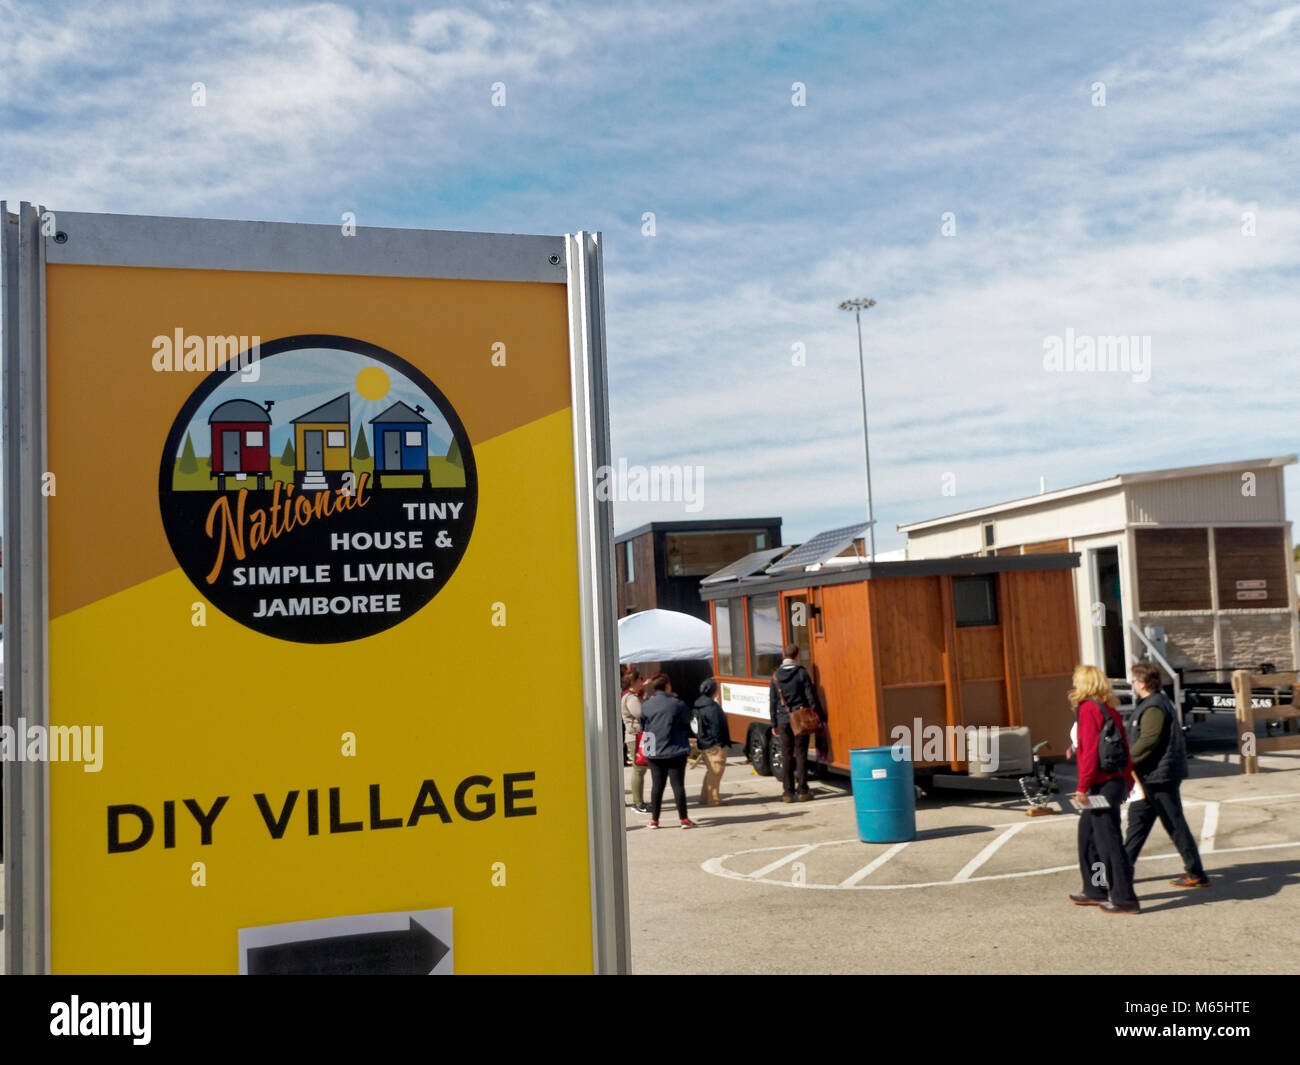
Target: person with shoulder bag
{"points": [[1105, 770], [630, 706], [1160, 764], [792, 703]]}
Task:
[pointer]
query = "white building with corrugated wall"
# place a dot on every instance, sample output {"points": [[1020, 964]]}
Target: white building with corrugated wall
{"points": [[1203, 553]]}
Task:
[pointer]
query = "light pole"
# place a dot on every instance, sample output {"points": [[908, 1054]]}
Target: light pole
{"points": [[857, 306]]}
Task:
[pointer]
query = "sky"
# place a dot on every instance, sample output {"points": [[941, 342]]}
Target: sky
{"points": [[993, 175]]}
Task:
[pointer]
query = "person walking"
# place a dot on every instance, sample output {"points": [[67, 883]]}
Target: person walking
{"points": [[630, 708], [712, 738], [666, 721], [1105, 768], [1160, 765], [792, 689]]}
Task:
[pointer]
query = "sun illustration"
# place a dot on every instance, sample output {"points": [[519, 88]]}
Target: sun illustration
{"points": [[372, 383]]}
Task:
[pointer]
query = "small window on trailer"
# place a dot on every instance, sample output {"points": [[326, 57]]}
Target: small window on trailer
{"points": [[975, 600], [627, 562]]}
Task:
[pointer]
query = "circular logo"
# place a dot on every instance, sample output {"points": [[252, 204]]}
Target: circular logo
{"points": [[317, 488]]}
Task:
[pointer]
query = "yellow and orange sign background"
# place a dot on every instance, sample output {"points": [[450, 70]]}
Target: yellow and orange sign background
{"points": [[198, 712]]}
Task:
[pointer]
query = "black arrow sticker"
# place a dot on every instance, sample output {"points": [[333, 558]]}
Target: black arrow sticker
{"points": [[411, 951]]}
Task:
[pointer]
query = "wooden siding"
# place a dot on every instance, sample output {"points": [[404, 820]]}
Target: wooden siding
{"points": [[909, 620], [1173, 567], [639, 593], [1245, 554]]}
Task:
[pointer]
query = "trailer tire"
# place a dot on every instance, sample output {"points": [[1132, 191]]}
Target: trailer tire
{"points": [[756, 750], [775, 757]]}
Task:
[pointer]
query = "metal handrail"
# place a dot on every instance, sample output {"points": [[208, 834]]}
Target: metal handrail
{"points": [[1164, 664]]}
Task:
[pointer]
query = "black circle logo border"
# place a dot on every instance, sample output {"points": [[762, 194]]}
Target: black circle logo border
{"points": [[283, 345]]}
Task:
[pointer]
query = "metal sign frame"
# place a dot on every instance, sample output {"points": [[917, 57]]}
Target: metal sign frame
{"points": [[31, 238]]}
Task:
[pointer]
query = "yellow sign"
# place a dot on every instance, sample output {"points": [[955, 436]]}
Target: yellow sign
{"points": [[322, 595]]}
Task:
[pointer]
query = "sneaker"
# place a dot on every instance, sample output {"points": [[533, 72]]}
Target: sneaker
{"points": [[1187, 880], [641, 809], [1120, 907], [787, 797], [1086, 900], [687, 823], [653, 824]]}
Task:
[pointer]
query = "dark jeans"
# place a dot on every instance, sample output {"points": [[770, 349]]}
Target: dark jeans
{"points": [[1102, 844], [794, 752], [1162, 801], [663, 770]]}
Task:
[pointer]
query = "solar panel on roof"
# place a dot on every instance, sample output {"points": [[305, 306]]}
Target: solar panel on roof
{"points": [[745, 567], [825, 545]]}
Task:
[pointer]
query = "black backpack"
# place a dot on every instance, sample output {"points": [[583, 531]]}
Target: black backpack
{"points": [[1112, 751]]}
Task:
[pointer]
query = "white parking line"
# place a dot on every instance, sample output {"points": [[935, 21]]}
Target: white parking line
{"points": [[799, 852], [872, 866], [1209, 827], [970, 867]]}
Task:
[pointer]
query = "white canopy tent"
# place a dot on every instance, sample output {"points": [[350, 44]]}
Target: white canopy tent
{"points": [[663, 636]]}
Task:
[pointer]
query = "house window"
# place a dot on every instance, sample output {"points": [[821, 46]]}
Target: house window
{"points": [[334, 438], [412, 437], [253, 438], [975, 600], [764, 635], [628, 564], [729, 625], [987, 531]]}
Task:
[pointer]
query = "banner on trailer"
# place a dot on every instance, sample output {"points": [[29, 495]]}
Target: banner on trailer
{"points": [[320, 638]]}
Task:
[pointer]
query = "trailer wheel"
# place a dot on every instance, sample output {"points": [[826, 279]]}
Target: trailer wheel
{"points": [[756, 750], [775, 756]]}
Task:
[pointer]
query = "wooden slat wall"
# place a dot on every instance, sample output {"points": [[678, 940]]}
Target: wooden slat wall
{"points": [[1046, 547], [1250, 555], [845, 673], [979, 652], [909, 620], [1042, 610], [640, 592], [1173, 567]]}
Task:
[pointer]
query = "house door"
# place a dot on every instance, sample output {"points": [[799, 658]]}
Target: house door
{"points": [[314, 445], [1108, 610], [230, 451], [392, 449]]}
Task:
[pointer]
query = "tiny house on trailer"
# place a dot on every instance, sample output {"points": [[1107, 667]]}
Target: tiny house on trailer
{"points": [[241, 442], [946, 642], [400, 443]]}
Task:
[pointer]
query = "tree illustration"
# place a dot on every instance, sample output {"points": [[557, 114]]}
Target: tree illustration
{"points": [[288, 458], [189, 464], [362, 451], [453, 453]]}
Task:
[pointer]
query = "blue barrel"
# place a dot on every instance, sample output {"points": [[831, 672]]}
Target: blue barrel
{"points": [[884, 794]]}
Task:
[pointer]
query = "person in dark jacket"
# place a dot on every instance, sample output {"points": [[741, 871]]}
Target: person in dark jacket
{"points": [[792, 689], [713, 736], [1103, 863], [666, 722], [1160, 764]]}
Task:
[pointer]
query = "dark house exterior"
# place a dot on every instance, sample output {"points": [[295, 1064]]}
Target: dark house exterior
{"points": [[660, 565]]}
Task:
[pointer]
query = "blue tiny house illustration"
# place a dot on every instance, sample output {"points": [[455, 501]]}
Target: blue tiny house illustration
{"points": [[400, 443]]}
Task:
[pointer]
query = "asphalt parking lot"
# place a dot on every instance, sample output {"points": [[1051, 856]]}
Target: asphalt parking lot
{"points": [[761, 886]]}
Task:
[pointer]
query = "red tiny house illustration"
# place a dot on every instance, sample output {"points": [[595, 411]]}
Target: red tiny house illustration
{"points": [[241, 442]]}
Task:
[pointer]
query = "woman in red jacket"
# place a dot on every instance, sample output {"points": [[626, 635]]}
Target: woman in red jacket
{"points": [[1103, 862]]}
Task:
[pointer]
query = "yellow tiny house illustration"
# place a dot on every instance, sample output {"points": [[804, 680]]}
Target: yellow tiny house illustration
{"points": [[322, 441]]}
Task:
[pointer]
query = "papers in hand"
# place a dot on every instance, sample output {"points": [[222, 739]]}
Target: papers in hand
{"points": [[1092, 802]]}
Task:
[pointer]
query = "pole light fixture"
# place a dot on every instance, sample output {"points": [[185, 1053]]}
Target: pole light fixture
{"points": [[857, 306]]}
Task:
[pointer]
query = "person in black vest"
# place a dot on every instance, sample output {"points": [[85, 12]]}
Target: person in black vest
{"points": [[1160, 764], [666, 721], [792, 689]]}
